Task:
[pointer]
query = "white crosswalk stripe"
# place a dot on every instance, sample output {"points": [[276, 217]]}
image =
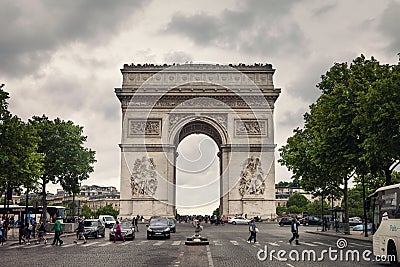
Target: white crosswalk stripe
{"points": [[105, 244], [159, 243], [323, 244], [68, 245], [274, 244], [308, 244], [176, 243], [234, 242], [90, 244]]}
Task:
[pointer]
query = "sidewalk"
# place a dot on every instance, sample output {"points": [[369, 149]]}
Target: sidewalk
{"points": [[13, 239], [354, 235]]}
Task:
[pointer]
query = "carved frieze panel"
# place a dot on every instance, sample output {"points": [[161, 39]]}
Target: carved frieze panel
{"points": [[144, 127], [144, 177], [252, 178], [250, 127]]}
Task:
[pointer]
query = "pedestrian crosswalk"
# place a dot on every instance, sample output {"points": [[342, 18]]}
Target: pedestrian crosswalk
{"points": [[160, 243]]}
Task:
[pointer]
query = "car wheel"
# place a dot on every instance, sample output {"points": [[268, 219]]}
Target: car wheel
{"points": [[281, 224], [169, 237], [234, 223], [111, 239], [148, 237]]}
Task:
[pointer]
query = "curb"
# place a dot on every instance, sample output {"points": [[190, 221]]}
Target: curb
{"points": [[341, 235]]}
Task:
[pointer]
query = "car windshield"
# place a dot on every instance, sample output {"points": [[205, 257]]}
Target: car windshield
{"points": [[158, 222], [124, 225], [109, 219], [90, 223]]}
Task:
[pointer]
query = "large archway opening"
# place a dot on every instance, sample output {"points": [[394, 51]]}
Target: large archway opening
{"points": [[197, 175]]}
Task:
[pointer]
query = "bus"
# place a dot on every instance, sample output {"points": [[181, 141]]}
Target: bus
{"points": [[58, 212], [386, 222]]}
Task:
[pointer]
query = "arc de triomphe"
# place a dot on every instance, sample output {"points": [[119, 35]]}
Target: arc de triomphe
{"points": [[233, 105]]}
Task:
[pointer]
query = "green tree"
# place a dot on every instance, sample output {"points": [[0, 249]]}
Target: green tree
{"points": [[294, 209], [86, 211], [109, 210], [280, 210], [297, 200], [66, 161], [315, 208]]}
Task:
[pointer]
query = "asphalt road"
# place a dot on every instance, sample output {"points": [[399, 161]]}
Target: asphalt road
{"points": [[228, 247]]}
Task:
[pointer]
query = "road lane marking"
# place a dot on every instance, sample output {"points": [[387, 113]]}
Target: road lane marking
{"points": [[324, 244], [234, 242], [308, 244], [69, 245], [105, 244], [176, 243], [274, 244], [209, 257], [90, 244], [159, 243]]}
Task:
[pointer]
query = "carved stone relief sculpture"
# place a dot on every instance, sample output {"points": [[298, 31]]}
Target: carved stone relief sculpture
{"points": [[144, 177], [252, 178], [144, 127]]}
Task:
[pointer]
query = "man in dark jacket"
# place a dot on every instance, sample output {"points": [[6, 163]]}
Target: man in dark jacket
{"points": [[295, 231], [80, 231]]}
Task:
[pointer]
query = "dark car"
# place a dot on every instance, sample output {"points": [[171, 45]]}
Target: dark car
{"points": [[158, 227], [311, 220], [127, 230], [94, 228], [285, 221], [172, 224]]}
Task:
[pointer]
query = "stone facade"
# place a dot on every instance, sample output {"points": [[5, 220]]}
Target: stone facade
{"points": [[233, 105]]}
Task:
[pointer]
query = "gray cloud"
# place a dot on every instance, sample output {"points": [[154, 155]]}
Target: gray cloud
{"points": [[32, 30], [389, 25], [256, 27], [177, 57], [324, 9]]}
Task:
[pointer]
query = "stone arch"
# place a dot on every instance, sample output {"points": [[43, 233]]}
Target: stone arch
{"points": [[199, 125], [233, 105]]}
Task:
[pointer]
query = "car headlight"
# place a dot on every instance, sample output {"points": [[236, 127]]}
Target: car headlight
{"points": [[149, 229], [167, 229]]}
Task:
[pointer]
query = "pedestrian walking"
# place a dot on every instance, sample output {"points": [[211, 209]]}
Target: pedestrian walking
{"points": [[21, 232], [118, 232], [295, 231], [137, 223], [253, 232], [28, 232], [2, 239], [80, 231], [41, 232], [57, 233]]}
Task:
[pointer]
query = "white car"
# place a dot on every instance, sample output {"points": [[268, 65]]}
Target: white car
{"points": [[239, 220]]}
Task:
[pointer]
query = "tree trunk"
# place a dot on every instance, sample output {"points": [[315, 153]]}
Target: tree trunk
{"points": [[44, 200], [346, 226], [388, 176]]}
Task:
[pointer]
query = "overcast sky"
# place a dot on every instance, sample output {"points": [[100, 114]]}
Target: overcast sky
{"points": [[63, 58]]}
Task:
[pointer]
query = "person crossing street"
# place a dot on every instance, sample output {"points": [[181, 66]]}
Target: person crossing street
{"points": [[295, 231]]}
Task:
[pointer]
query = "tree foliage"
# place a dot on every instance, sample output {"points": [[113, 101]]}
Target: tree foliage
{"points": [[297, 200], [66, 160], [109, 210], [352, 129]]}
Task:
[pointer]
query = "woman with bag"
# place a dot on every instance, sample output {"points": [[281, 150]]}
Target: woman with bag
{"points": [[253, 232]]}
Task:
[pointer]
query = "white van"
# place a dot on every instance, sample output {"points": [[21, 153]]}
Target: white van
{"points": [[108, 220]]}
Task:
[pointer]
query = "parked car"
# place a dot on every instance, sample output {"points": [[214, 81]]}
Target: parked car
{"points": [[94, 228], [311, 220], [172, 224], [239, 220], [257, 219], [107, 220], [285, 221], [360, 227], [127, 230], [355, 221], [158, 227]]}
